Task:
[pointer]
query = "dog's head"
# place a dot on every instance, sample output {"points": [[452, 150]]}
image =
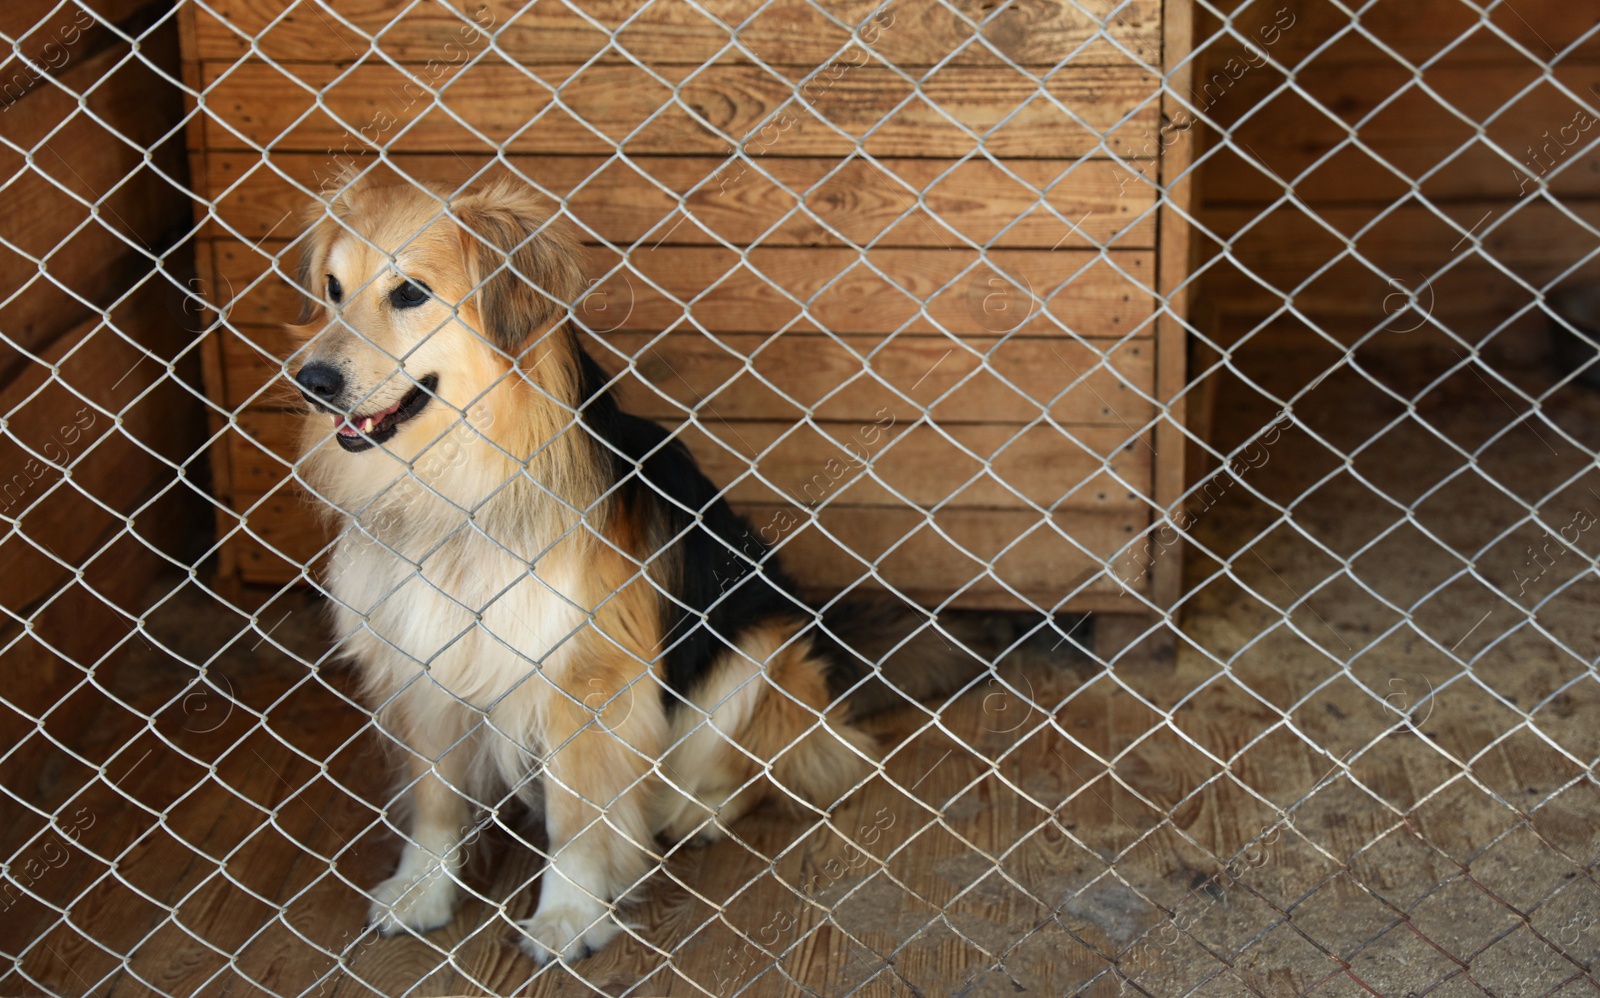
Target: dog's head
{"points": [[422, 306]]}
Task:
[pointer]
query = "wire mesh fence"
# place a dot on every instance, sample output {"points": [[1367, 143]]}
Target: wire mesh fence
{"points": [[1207, 387]]}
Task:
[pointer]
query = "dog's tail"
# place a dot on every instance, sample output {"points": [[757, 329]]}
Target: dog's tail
{"points": [[851, 662], [883, 655]]}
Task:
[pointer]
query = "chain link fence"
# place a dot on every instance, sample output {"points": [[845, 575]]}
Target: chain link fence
{"points": [[1220, 375]]}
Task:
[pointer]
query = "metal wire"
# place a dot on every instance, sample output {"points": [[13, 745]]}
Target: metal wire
{"points": [[1172, 942]]}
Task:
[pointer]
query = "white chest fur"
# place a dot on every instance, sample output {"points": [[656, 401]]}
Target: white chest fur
{"points": [[477, 603]]}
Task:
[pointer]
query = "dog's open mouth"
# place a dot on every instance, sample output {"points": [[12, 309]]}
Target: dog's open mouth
{"points": [[358, 432]]}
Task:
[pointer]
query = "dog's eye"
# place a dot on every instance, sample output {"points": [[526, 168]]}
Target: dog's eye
{"points": [[409, 295], [335, 290]]}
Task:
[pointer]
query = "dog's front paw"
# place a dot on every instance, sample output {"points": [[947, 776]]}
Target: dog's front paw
{"points": [[416, 904], [570, 931]]}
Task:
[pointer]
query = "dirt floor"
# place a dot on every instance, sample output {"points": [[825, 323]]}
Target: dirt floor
{"points": [[1364, 765]]}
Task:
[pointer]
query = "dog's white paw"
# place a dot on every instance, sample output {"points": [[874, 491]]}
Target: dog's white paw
{"points": [[416, 904], [570, 931]]}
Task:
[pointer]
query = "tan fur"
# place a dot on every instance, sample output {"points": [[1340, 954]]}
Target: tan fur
{"points": [[494, 598], [760, 729]]}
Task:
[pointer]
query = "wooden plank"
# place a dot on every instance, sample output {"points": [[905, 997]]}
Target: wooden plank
{"points": [[266, 846], [1413, 133], [123, 916], [215, 383], [46, 668], [108, 916], [1027, 551], [1417, 31], [188, 41], [50, 38], [271, 848], [785, 33], [204, 304], [47, 686], [76, 623], [280, 861], [77, 443], [1081, 381], [1480, 186], [508, 110], [872, 464], [1535, 234], [1173, 281], [1473, 298], [1207, 374], [751, 377], [827, 201], [1535, 240], [87, 253], [846, 291]]}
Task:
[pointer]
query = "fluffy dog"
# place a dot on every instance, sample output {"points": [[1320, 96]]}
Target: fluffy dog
{"points": [[539, 589]]}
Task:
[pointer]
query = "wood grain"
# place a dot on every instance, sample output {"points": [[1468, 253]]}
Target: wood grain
{"points": [[876, 463], [1480, 138], [737, 377], [1174, 267], [1419, 134], [510, 108], [86, 198], [776, 201], [54, 37], [1417, 32], [786, 33], [1534, 240], [87, 439], [49, 703], [799, 289]]}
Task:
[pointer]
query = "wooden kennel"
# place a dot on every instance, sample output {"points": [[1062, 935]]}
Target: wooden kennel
{"points": [[943, 351]]}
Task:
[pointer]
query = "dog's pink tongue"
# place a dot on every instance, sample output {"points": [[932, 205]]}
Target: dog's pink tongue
{"points": [[342, 426]]}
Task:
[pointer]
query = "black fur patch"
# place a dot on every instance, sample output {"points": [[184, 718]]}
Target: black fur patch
{"points": [[711, 569]]}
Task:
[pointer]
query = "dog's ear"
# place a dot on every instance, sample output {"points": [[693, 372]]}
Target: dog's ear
{"points": [[526, 266]]}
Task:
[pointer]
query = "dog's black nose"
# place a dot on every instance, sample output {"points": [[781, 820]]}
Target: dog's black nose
{"points": [[320, 381]]}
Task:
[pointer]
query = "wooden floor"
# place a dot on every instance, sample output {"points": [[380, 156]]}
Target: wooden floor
{"points": [[1359, 773]]}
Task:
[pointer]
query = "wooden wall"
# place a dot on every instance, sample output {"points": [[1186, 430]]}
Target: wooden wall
{"points": [[1411, 152], [284, 116], [96, 342]]}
